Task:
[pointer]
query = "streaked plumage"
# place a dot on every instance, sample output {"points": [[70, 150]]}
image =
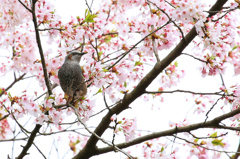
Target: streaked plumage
{"points": [[71, 76]]}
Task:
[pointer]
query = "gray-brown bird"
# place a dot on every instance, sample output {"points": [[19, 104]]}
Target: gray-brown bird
{"points": [[71, 76]]}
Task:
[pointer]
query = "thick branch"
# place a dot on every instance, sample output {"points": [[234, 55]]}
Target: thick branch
{"points": [[38, 39], [209, 124], [30, 141], [37, 127]]}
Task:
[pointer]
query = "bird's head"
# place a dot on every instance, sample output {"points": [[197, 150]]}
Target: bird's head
{"points": [[74, 56]]}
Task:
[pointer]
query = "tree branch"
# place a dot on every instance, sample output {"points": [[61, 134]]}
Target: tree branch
{"points": [[25, 6], [29, 142], [38, 39], [214, 123], [168, 18], [184, 91], [10, 86], [4, 117], [195, 57], [154, 46], [201, 145], [47, 82]]}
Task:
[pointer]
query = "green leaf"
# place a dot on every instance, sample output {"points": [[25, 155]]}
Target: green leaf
{"points": [[105, 70], [51, 97], [125, 84], [53, 11], [176, 63], [9, 94], [217, 142], [100, 54], [89, 17], [78, 141], [235, 47], [137, 63], [162, 149], [99, 91], [214, 134], [119, 122], [213, 57], [111, 34], [107, 39], [196, 140]]}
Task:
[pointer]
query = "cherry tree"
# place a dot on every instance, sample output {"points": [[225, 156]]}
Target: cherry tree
{"points": [[138, 55]]}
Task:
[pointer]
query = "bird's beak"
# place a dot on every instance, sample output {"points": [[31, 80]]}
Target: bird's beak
{"points": [[83, 53]]}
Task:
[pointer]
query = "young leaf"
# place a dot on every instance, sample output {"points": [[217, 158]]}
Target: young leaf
{"points": [[214, 134], [217, 142], [89, 17]]}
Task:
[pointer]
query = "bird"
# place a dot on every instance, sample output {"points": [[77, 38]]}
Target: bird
{"points": [[71, 77]]}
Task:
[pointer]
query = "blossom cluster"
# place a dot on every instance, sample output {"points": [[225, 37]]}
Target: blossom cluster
{"points": [[76, 142], [127, 126]]}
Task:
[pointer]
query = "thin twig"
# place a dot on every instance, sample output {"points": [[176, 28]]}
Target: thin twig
{"points": [[89, 8], [185, 91], [47, 29], [91, 4], [4, 117], [40, 151], [114, 134], [203, 146], [154, 46], [226, 12], [169, 18], [25, 6], [102, 111], [53, 86], [107, 56], [95, 48], [22, 128], [194, 136], [105, 101], [211, 108], [194, 57], [114, 58], [170, 4], [223, 83]]}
